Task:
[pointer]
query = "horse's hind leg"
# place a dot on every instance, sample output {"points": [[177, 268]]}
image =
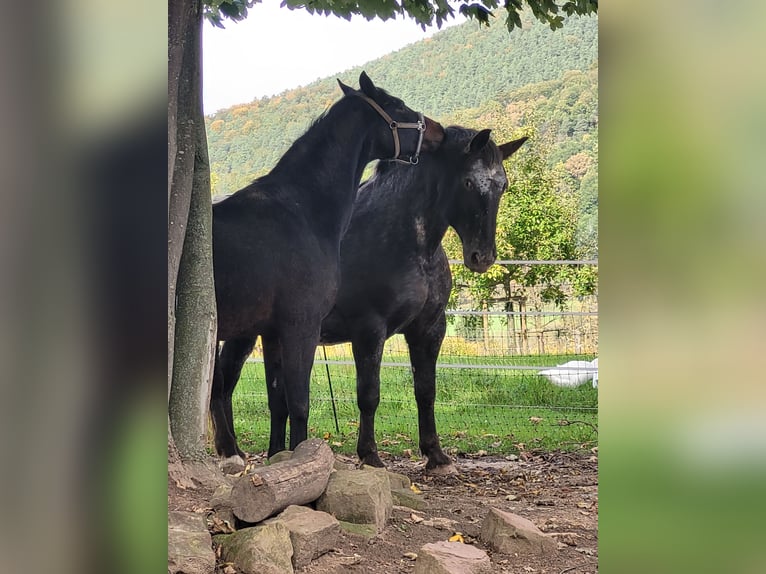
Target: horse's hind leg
{"points": [[425, 342], [298, 347], [272, 359], [227, 371], [368, 352]]}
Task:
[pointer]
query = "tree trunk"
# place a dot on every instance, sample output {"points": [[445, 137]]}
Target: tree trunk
{"points": [[271, 489], [191, 294]]}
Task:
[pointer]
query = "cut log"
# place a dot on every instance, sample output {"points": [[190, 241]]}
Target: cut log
{"points": [[271, 489]]}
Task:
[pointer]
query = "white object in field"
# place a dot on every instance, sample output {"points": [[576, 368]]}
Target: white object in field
{"points": [[573, 373]]}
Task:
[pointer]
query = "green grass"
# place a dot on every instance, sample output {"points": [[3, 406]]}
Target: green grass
{"points": [[476, 409]]}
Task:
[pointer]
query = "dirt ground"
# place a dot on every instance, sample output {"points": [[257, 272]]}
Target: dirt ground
{"points": [[557, 491]]}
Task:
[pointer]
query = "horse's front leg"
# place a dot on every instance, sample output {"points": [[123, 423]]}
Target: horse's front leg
{"points": [[272, 362], [298, 348], [226, 373], [424, 345], [368, 352]]}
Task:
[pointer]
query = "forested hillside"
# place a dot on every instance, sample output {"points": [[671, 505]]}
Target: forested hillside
{"points": [[533, 81]]}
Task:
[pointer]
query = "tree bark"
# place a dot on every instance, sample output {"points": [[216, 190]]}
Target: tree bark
{"points": [[191, 292], [271, 489]]}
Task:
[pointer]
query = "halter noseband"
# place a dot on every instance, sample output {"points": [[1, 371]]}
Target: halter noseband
{"points": [[420, 125]]}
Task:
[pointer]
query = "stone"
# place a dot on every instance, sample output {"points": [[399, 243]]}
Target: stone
{"points": [[398, 480], [358, 496], [312, 533], [452, 558], [262, 549], [405, 497], [512, 534], [190, 548], [366, 531]]}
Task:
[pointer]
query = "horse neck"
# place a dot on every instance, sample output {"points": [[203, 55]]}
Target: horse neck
{"points": [[422, 197], [325, 165]]}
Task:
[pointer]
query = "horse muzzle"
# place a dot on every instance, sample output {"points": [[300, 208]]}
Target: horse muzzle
{"points": [[479, 261]]}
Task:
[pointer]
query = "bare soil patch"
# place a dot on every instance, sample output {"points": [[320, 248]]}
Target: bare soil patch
{"points": [[557, 491]]}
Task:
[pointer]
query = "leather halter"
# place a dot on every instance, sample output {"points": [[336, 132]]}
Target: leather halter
{"points": [[420, 125]]}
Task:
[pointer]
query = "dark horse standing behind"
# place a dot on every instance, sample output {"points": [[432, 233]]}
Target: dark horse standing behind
{"points": [[395, 276], [276, 251]]}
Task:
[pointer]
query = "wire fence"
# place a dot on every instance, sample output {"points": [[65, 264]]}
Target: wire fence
{"points": [[490, 396]]}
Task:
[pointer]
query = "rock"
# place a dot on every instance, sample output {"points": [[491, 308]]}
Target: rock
{"points": [[405, 497], [366, 531], [452, 558], [398, 480], [190, 549], [509, 533], [312, 533], [262, 549], [358, 496]]}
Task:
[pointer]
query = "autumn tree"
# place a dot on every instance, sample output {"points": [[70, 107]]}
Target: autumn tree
{"points": [[191, 304]]}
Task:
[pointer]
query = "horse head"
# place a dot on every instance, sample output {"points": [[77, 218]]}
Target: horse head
{"points": [[406, 132], [481, 183]]}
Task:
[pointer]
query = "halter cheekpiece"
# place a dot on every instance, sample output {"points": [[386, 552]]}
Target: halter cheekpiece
{"points": [[395, 126]]}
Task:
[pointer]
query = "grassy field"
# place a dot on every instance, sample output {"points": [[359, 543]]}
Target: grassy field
{"points": [[496, 410]]}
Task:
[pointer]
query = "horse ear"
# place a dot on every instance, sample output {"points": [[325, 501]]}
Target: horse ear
{"points": [[478, 141], [365, 83], [346, 89], [507, 149]]}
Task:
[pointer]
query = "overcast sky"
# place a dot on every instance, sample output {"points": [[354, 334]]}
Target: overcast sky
{"points": [[275, 49]]}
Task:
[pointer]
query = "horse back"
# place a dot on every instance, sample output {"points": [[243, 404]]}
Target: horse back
{"points": [[269, 267]]}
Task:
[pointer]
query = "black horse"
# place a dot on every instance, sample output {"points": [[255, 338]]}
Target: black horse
{"points": [[395, 276], [276, 250]]}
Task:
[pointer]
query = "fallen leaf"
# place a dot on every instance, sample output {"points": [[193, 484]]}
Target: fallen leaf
{"points": [[457, 537], [336, 443], [511, 497], [256, 480], [219, 526], [535, 420], [584, 504], [415, 489], [410, 555], [407, 452], [415, 518]]}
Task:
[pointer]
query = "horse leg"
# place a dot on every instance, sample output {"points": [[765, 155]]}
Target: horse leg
{"points": [[298, 350], [424, 345], [368, 352], [228, 367], [272, 358]]}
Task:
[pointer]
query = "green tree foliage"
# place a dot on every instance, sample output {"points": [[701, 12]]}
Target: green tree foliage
{"points": [[425, 12], [537, 220], [461, 68]]}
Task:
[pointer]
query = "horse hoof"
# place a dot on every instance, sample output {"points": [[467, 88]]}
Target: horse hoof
{"points": [[232, 464], [442, 470], [372, 461]]}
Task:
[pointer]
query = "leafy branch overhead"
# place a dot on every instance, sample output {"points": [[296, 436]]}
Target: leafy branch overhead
{"points": [[425, 12]]}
